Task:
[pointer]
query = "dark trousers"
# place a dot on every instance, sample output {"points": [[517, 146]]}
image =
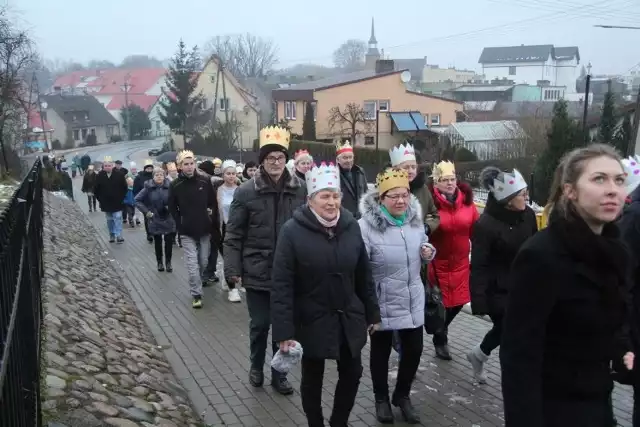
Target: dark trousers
{"points": [[492, 339], [442, 337], [349, 374], [92, 202], [411, 341], [146, 228], [636, 405], [259, 305], [128, 213], [216, 246], [168, 246], [582, 413]]}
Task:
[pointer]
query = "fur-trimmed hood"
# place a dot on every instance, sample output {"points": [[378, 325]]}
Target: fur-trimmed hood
{"points": [[464, 189], [291, 185], [369, 208]]}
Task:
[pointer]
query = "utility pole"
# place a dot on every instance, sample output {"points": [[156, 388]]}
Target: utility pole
{"points": [[44, 130], [126, 106], [587, 88]]}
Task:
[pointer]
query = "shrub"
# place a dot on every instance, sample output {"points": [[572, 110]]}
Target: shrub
{"points": [[115, 138], [91, 140], [56, 145]]}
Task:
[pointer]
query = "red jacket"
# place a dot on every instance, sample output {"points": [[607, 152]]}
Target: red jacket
{"points": [[450, 268]]}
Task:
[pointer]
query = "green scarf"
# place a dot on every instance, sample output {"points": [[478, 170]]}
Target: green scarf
{"points": [[398, 221]]}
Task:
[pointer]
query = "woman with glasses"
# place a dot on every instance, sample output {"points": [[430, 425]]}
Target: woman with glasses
{"points": [[394, 235], [505, 224]]}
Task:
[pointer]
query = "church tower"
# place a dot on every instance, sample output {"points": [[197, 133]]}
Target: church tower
{"points": [[373, 54]]}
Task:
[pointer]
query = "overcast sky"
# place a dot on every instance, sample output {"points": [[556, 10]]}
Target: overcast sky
{"points": [[446, 32]]}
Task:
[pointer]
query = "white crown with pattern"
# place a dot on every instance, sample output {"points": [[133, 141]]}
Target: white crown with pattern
{"points": [[402, 153], [632, 172], [323, 177], [509, 185]]}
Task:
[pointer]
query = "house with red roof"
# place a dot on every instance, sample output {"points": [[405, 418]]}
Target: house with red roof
{"points": [[39, 131], [116, 87]]}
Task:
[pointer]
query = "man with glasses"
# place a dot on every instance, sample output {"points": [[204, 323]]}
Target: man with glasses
{"points": [[353, 181], [259, 209]]}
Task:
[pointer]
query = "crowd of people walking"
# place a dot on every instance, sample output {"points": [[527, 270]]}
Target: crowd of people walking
{"points": [[329, 264]]}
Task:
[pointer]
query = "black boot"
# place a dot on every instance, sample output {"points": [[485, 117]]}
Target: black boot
{"points": [[442, 352], [256, 377], [160, 265], [280, 383], [384, 414], [168, 266], [408, 411]]}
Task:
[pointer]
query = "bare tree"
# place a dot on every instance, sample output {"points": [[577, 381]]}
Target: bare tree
{"points": [[351, 121], [16, 57], [350, 55], [244, 55]]}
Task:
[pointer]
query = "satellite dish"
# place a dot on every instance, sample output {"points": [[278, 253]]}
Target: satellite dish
{"points": [[405, 76], [44, 104]]}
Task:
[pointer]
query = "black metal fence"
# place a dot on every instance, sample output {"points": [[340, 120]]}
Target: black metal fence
{"points": [[21, 272]]}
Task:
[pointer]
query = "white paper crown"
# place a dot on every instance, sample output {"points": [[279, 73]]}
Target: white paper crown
{"points": [[402, 153], [510, 184], [632, 170], [228, 164], [322, 177]]}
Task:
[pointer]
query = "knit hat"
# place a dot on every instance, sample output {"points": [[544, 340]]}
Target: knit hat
{"points": [[207, 167]]}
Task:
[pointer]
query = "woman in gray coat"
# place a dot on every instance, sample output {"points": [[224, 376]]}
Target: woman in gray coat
{"points": [[394, 235], [153, 201]]}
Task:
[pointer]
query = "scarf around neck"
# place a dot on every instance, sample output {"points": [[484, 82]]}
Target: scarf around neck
{"points": [[323, 222]]}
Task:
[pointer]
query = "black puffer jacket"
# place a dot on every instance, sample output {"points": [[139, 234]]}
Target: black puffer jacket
{"points": [[495, 241], [89, 182], [322, 286], [257, 213], [110, 191], [140, 180], [353, 184], [189, 199]]}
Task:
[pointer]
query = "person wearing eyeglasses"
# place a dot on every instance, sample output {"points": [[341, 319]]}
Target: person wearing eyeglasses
{"points": [[258, 210], [397, 245]]}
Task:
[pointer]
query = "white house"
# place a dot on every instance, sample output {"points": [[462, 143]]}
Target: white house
{"points": [[533, 65]]}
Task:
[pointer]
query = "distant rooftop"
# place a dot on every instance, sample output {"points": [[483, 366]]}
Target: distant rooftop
{"points": [[522, 53], [488, 131], [483, 88]]}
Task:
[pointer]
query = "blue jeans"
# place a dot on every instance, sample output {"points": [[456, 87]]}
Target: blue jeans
{"points": [[114, 223]]}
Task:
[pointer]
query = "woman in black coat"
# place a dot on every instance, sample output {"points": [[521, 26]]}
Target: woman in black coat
{"points": [[505, 224], [323, 295], [567, 306]]}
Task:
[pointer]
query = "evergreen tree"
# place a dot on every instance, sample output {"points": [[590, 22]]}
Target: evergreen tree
{"points": [[182, 106], [140, 123], [623, 135], [564, 135], [608, 121], [309, 123]]}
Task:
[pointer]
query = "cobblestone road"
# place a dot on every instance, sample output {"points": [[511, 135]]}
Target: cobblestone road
{"points": [[209, 352]]}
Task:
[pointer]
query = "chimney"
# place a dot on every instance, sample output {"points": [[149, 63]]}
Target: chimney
{"points": [[384, 66]]}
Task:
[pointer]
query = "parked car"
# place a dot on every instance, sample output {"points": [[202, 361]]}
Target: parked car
{"points": [[154, 151]]}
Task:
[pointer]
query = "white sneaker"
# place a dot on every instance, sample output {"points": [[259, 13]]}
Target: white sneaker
{"points": [[224, 285], [243, 289], [234, 296]]}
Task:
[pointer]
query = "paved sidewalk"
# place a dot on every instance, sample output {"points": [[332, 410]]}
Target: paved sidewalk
{"points": [[209, 352]]}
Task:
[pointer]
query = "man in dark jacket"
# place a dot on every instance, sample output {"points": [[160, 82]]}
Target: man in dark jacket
{"points": [[110, 190], [85, 161], [210, 275], [118, 168], [192, 202], [353, 180], [138, 184], [259, 208]]}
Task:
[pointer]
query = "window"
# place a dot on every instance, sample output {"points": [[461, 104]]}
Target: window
{"points": [[435, 120], [426, 120], [158, 125], [76, 134], [369, 140], [109, 131], [86, 116], [315, 109], [224, 104], [84, 134], [93, 131], [370, 110], [512, 71], [383, 105], [290, 110]]}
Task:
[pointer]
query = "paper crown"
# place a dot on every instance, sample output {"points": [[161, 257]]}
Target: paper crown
{"points": [[148, 162], [216, 161], [392, 178], [302, 154], [323, 177], [132, 164], [402, 153], [107, 159], [632, 172], [442, 169], [171, 166], [510, 184], [275, 135], [228, 164], [184, 154], [343, 147]]}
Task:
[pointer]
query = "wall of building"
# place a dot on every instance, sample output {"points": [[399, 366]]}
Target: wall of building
{"points": [[522, 93], [525, 73], [567, 73], [436, 74]]}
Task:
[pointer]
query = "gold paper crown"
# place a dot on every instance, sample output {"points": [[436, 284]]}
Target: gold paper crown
{"points": [[442, 169], [184, 154], [148, 162], [392, 178], [275, 135], [216, 161], [343, 147], [171, 166], [107, 159]]}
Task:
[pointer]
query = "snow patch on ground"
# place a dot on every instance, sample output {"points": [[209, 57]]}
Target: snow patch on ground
{"points": [[7, 191]]}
